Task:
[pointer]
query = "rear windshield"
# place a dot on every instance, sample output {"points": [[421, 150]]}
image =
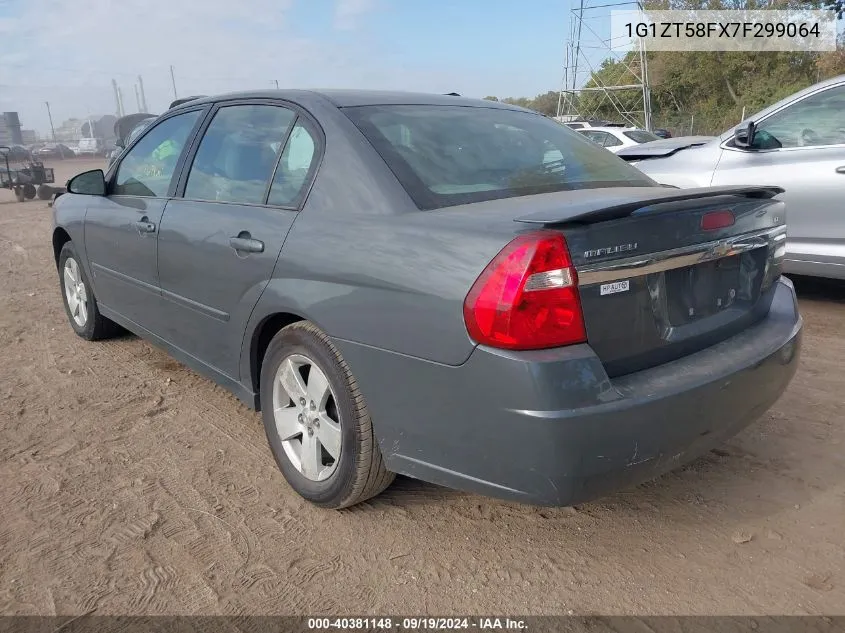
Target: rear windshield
{"points": [[641, 136], [449, 155]]}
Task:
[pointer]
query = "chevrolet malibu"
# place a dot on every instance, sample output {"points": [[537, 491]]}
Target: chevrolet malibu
{"points": [[460, 291]]}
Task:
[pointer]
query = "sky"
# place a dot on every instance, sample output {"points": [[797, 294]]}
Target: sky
{"points": [[68, 52]]}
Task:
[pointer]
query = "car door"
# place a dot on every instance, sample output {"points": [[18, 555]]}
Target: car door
{"points": [[221, 236], [800, 147], [121, 228]]}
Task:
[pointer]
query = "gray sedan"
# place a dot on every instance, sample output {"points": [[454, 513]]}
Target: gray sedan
{"points": [[460, 291], [798, 144]]}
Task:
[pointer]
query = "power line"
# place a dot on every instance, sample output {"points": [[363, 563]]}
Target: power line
{"points": [[173, 80]]}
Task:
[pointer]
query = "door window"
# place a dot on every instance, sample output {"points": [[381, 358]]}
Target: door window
{"points": [[148, 167], [293, 174], [814, 121], [595, 137], [611, 140], [237, 154]]}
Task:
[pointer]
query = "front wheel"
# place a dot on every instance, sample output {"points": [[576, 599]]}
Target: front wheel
{"points": [[80, 302], [317, 422]]}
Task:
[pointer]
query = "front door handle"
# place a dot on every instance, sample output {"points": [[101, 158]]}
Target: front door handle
{"points": [[244, 243], [840, 170], [145, 226]]}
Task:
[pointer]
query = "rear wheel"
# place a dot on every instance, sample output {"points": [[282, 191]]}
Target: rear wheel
{"points": [[317, 422], [29, 191], [80, 302]]}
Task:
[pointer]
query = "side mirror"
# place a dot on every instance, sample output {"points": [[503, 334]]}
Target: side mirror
{"points": [[119, 143], [88, 183], [744, 137]]}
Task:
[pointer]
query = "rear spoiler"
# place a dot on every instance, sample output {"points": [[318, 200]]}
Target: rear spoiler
{"points": [[607, 206]]}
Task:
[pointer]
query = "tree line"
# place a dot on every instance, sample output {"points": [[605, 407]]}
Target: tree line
{"points": [[711, 89]]}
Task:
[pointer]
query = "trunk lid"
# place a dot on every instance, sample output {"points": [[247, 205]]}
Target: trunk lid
{"points": [[654, 284]]}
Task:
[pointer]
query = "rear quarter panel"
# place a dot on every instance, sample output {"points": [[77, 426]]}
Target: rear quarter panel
{"points": [[366, 266]]}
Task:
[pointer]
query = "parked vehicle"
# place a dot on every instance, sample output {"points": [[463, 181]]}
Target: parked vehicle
{"points": [[462, 291], [127, 129], [17, 153], [798, 144], [53, 150], [91, 147], [593, 123], [616, 138]]}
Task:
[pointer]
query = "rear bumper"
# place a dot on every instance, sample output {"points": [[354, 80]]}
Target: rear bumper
{"points": [[549, 427]]}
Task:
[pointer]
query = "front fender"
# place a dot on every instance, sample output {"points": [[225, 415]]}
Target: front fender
{"points": [[69, 216]]}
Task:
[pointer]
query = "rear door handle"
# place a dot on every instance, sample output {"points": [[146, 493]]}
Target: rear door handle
{"points": [[145, 226], [840, 170], [245, 244]]}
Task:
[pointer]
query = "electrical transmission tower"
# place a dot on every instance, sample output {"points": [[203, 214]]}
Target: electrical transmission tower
{"points": [[583, 94]]}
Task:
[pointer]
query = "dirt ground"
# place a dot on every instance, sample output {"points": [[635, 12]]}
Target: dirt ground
{"points": [[132, 485]]}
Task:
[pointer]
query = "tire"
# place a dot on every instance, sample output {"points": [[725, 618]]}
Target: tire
{"points": [[358, 472], [94, 326], [29, 191], [44, 192]]}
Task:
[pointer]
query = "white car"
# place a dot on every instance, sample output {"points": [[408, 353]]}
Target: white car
{"points": [[616, 138], [90, 147]]}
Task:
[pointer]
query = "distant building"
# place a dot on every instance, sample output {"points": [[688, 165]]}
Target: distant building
{"points": [[70, 131], [10, 129], [29, 137], [95, 126]]}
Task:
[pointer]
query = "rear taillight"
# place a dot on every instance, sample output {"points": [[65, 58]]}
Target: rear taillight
{"points": [[713, 220], [527, 297]]}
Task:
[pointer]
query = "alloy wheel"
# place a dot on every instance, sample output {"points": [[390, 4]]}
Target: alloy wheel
{"points": [[306, 417]]}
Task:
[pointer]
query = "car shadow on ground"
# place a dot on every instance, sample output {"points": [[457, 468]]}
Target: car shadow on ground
{"points": [[819, 289]]}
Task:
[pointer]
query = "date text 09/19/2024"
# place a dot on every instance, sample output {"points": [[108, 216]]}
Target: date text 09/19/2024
{"points": [[416, 624]]}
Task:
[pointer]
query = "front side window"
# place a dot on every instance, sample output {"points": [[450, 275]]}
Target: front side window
{"points": [[814, 121], [148, 167], [237, 154], [449, 155]]}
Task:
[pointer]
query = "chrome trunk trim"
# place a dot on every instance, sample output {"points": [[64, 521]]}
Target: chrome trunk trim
{"points": [[678, 257]]}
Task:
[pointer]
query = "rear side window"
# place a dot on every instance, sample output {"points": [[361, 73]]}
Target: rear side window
{"points": [[641, 136], [237, 154], [295, 166], [450, 155], [610, 140]]}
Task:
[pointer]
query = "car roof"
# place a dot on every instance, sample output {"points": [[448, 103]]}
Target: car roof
{"points": [[610, 129], [351, 98]]}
